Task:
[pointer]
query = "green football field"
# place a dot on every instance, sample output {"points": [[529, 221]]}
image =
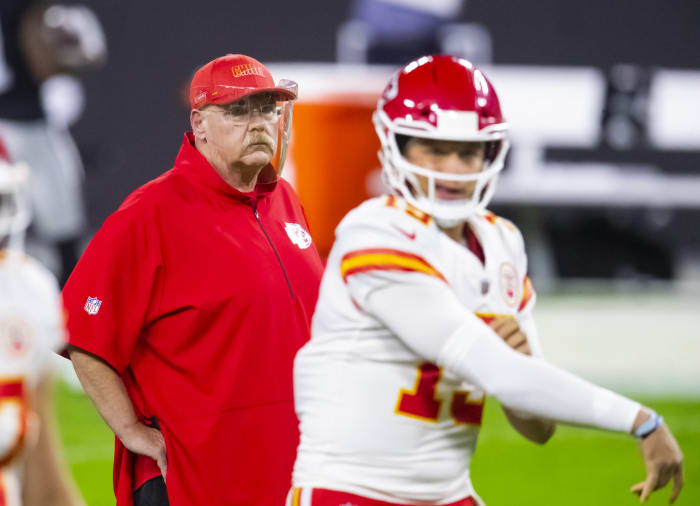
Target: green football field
{"points": [[577, 467]]}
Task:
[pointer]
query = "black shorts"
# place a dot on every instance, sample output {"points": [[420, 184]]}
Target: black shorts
{"points": [[152, 493]]}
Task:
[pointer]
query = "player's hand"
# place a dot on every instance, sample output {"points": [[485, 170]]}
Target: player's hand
{"points": [[663, 461], [508, 329], [144, 440]]}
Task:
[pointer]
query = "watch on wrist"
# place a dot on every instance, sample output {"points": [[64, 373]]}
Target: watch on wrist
{"points": [[652, 423]]}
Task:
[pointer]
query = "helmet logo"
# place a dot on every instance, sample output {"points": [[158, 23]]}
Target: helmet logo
{"points": [[392, 89], [480, 82]]}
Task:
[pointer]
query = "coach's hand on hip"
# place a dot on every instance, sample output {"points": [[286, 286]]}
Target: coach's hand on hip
{"points": [[144, 440]]}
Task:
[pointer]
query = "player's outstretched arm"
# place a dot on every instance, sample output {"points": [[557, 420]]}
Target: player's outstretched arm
{"points": [[537, 430], [427, 316], [662, 456], [543, 390], [106, 390]]}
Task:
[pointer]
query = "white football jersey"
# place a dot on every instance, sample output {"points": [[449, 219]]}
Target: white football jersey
{"points": [[31, 329], [376, 419]]}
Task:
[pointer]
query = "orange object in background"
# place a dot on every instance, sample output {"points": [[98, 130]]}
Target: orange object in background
{"points": [[334, 155]]}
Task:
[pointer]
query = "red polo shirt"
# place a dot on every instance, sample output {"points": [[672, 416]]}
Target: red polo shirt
{"points": [[200, 296]]}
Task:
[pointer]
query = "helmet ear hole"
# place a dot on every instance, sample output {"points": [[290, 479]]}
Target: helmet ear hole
{"points": [[491, 150], [401, 141]]}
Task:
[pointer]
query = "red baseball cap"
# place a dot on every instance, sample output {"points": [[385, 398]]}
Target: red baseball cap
{"points": [[233, 76]]}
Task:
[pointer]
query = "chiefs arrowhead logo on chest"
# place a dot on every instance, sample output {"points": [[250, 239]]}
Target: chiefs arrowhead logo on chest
{"points": [[297, 235]]}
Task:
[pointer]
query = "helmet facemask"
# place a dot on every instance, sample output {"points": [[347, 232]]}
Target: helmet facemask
{"points": [[443, 98], [402, 175]]}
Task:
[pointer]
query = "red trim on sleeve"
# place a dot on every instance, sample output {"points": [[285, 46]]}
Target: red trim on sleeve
{"points": [[12, 389], [528, 292]]}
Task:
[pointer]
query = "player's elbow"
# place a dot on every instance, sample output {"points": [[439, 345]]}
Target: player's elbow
{"points": [[544, 432], [534, 429], [506, 389], [513, 395]]}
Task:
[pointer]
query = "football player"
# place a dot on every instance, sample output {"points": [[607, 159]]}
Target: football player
{"points": [[425, 308], [40, 40], [31, 328]]}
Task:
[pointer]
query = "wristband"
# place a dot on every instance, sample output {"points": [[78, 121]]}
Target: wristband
{"points": [[652, 423]]}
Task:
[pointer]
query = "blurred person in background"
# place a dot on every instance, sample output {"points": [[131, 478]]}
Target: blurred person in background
{"points": [[189, 304], [393, 31], [31, 329], [425, 308], [41, 40]]}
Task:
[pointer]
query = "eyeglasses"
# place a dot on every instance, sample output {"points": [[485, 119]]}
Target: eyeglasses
{"points": [[241, 111]]}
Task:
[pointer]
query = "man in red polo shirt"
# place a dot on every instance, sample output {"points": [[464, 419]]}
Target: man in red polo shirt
{"points": [[188, 306]]}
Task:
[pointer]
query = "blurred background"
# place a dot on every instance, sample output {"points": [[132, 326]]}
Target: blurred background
{"points": [[603, 177], [603, 100]]}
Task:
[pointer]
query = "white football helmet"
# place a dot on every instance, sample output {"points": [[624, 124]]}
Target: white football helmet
{"points": [[448, 98], [15, 213]]}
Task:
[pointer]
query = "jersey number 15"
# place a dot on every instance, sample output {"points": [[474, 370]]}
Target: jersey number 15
{"points": [[423, 402]]}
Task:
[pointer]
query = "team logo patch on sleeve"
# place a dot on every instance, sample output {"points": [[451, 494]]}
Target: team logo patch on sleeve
{"points": [[509, 284], [92, 306], [15, 336], [297, 235]]}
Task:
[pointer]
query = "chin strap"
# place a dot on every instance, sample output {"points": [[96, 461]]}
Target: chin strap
{"points": [[445, 223]]}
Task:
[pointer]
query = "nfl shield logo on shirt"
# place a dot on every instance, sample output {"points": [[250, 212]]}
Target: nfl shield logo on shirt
{"points": [[297, 235], [92, 306]]}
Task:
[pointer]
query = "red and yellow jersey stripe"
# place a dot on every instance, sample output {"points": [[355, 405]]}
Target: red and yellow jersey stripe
{"points": [[295, 497], [385, 260], [11, 387], [12, 392], [493, 219], [528, 293], [490, 217], [3, 494], [413, 212]]}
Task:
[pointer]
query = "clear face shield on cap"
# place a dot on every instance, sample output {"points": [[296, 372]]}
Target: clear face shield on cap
{"points": [[15, 212], [242, 104]]}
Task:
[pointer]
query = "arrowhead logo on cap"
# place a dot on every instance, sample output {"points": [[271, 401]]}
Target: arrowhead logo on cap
{"points": [[247, 69]]}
